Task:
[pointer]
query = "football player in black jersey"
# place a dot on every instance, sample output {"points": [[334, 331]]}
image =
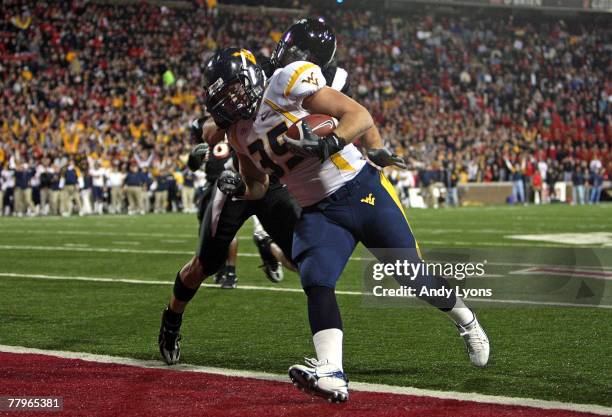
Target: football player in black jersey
{"points": [[218, 160], [313, 40]]}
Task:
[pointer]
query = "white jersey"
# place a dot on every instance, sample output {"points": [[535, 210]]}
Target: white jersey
{"points": [[115, 178], [98, 177], [8, 179], [308, 180]]}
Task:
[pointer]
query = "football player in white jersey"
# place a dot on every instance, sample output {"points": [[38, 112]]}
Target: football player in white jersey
{"points": [[344, 200]]}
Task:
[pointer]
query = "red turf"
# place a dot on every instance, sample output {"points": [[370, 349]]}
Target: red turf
{"points": [[95, 389]]}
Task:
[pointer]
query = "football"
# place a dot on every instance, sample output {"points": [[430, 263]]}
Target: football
{"points": [[321, 124]]}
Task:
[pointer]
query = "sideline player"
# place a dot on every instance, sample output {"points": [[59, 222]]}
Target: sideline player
{"points": [[344, 200]]}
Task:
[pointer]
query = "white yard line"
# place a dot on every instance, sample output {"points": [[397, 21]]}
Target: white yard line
{"points": [[153, 282], [245, 254], [275, 289], [453, 243], [356, 386]]}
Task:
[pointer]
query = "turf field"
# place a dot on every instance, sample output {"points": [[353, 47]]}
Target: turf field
{"points": [[61, 288]]}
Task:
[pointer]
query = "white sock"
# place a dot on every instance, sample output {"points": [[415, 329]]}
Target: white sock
{"points": [[257, 227], [328, 345], [460, 314]]}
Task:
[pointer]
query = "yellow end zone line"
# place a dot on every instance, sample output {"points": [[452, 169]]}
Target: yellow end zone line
{"points": [[355, 385]]}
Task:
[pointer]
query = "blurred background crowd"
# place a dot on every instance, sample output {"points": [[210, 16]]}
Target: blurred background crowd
{"points": [[96, 99]]}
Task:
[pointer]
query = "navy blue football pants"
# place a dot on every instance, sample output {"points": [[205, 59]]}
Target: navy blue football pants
{"points": [[366, 209]]}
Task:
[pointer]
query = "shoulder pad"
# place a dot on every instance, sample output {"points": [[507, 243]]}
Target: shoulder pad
{"points": [[299, 79]]}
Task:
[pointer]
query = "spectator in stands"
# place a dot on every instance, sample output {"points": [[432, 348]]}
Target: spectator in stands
{"points": [[82, 80]]}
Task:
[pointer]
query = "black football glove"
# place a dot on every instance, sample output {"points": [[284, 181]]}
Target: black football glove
{"points": [[383, 157], [230, 183], [312, 145], [198, 156]]}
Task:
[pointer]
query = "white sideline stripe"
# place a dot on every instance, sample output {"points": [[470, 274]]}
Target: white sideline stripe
{"points": [[132, 234], [151, 282], [277, 289], [356, 386], [125, 250], [245, 254]]}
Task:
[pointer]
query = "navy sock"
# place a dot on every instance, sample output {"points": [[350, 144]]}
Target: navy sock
{"points": [[323, 311]]}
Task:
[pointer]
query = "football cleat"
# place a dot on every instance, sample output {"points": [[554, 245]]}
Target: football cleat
{"points": [[169, 342], [476, 342], [230, 281], [220, 275], [271, 266], [321, 378]]}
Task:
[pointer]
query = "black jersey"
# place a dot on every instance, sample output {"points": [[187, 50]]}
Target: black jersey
{"points": [[335, 77], [220, 154]]}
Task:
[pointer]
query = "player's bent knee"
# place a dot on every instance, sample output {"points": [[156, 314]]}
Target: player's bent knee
{"points": [[209, 265], [314, 273]]}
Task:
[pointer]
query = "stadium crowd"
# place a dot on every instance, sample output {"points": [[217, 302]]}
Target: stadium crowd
{"points": [[97, 99]]}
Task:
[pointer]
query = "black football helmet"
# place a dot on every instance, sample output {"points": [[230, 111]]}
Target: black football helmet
{"points": [[233, 86], [308, 39]]}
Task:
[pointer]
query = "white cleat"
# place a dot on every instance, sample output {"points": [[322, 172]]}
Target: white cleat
{"points": [[476, 342], [320, 378]]}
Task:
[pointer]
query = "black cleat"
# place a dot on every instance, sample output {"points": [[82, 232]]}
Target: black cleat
{"points": [[169, 342], [271, 266], [230, 281], [220, 275]]}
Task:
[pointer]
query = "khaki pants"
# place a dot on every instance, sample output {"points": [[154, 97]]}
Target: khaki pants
{"points": [[70, 195], [433, 192], [146, 201], [116, 195], [187, 197], [23, 200], [86, 200], [134, 196], [45, 198], [161, 201], [54, 203]]}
